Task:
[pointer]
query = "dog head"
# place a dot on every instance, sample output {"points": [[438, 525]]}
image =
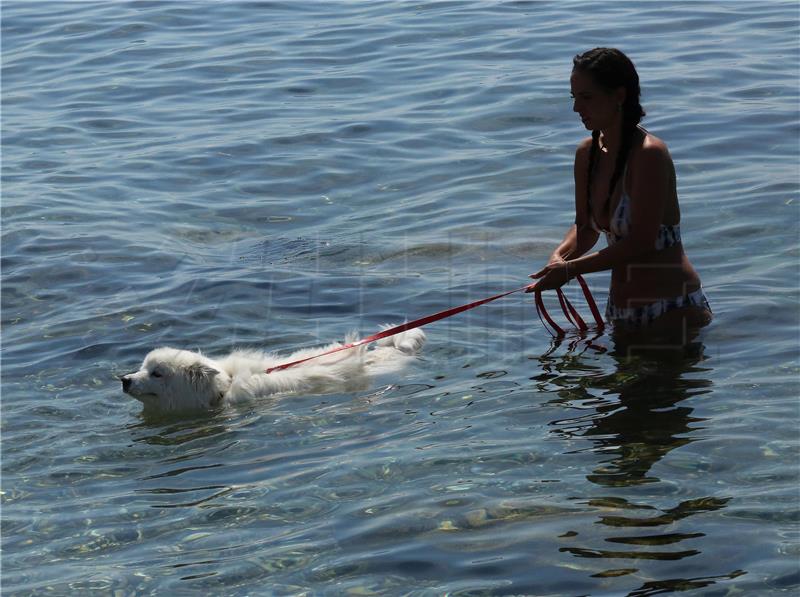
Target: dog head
{"points": [[172, 379]]}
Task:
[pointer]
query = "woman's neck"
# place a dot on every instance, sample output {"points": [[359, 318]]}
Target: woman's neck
{"points": [[610, 139]]}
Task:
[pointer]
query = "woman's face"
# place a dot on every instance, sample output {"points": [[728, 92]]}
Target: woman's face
{"points": [[598, 109]]}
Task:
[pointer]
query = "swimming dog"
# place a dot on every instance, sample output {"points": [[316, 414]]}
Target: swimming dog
{"points": [[171, 379]]}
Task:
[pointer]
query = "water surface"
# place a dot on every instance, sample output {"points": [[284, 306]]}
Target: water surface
{"points": [[277, 174]]}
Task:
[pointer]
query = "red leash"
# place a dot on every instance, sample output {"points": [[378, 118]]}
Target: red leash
{"points": [[570, 312], [455, 310]]}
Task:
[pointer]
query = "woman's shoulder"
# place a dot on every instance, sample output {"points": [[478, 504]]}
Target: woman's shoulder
{"points": [[584, 146], [583, 150], [653, 150], [653, 146]]}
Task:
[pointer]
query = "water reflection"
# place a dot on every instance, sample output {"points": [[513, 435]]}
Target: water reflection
{"points": [[633, 415]]}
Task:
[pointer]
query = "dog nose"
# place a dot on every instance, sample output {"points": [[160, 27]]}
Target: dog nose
{"points": [[126, 382]]}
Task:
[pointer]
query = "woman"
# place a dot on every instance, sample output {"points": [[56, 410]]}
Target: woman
{"points": [[625, 187]]}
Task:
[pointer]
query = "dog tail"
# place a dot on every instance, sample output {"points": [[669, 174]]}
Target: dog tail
{"points": [[409, 342]]}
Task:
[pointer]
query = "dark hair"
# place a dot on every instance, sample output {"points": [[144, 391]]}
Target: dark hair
{"points": [[610, 69]]}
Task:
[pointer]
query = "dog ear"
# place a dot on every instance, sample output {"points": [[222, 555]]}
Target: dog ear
{"points": [[200, 374]]}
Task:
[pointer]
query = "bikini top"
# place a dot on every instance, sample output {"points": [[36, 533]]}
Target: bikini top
{"points": [[669, 235]]}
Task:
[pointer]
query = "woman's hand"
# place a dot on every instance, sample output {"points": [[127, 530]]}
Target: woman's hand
{"points": [[554, 275]]}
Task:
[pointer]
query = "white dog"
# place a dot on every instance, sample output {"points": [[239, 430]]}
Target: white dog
{"points": [[172, 379]]}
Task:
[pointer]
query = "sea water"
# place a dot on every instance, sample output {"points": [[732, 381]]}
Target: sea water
{"points": [[213, 175]]}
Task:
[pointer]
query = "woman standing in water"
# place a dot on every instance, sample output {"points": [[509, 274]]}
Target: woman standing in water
{"points": [[625, 187]]}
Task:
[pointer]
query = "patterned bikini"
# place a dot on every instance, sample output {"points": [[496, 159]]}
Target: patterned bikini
{"points": [[668, 236]]}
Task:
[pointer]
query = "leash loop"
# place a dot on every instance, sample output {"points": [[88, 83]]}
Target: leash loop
{"points": [[570, 312]]}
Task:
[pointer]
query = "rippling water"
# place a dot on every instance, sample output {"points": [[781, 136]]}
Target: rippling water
{"points": [[276, 174]]}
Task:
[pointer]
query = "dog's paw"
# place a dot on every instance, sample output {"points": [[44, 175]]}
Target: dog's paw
{"points": [[410, 341]]}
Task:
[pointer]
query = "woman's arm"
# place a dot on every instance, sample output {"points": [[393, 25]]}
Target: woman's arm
{"points": [[576, 242], [580, 237]]}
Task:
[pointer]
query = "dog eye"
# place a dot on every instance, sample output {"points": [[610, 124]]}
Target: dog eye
{"points": [[156, 373]]}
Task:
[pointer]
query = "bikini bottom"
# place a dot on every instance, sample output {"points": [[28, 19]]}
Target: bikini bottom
{"points": [[644, 315]]}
